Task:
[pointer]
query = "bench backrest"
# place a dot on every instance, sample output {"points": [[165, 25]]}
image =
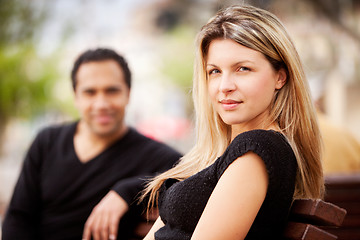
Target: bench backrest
{"points": [[344, 191], [310, 218], [306, 216]]}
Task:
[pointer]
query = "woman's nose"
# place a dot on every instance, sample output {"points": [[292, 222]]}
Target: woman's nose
{"points": [[227, 83]]}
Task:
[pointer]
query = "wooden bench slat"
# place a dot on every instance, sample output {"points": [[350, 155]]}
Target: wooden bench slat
{"points": [[343, 180], [352, 221], [142, 229], [303, 231], [344, 191], [345, 233], [146, 223], [318, 212], [352, 208]]}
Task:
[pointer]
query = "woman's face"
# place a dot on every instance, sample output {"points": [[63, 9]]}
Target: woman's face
{"points": [[241, 84]]}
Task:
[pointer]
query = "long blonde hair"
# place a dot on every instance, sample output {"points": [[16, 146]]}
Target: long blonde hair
{"points": [[292, 108]]}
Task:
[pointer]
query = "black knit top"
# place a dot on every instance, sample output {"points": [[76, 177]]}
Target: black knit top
{"points": [[182, 203]]}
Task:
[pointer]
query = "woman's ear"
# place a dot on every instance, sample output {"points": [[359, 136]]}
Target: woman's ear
{"points": [[282, 77]]}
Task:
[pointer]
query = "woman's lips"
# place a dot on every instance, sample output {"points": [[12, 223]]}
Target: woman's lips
{"points": [[229, 104]]}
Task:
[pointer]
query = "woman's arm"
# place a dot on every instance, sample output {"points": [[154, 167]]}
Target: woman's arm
{"points": [[235, 201], [157, 225]]}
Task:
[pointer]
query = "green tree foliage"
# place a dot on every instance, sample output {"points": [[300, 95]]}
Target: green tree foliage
{"points": [[26, 83], [26, 80], [178, 56]]}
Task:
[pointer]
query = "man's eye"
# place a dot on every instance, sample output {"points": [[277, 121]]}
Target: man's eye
{"points": [[113, 90], [89, 92]]}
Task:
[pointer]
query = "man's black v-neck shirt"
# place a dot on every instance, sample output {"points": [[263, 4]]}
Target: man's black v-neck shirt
{"points": [[56, 192]]}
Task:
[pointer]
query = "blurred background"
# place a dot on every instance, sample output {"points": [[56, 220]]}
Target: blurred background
{"points": [[39, 41]]}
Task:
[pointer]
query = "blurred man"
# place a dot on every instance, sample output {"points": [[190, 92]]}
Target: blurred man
{"points": [[81, 180], [341, 151]]}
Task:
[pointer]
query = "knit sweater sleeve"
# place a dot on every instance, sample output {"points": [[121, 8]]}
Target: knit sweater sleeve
{"points": [[274, 150], [155, 158], [129, 188], [22, 217]]}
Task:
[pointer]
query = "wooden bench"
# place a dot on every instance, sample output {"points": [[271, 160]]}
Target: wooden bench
{"points": [[306, 216], [144, 227], [310, 219], [343, 190]]}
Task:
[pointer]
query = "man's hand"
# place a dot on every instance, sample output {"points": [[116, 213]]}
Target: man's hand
{"points": [[104, 219]]}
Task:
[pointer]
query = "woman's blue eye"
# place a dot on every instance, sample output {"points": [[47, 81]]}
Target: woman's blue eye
{"points": [[214, 71], [242, 69]]}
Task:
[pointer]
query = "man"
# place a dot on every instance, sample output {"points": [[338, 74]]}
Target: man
{"points": [[81, 180], [341, 150]]}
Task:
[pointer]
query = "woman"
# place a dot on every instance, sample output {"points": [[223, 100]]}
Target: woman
{"points": [[253, 109]]}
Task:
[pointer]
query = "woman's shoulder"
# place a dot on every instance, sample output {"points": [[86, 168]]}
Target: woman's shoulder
{"points": [[272, 146], [259, 135], [258, 141], [275, 151]]}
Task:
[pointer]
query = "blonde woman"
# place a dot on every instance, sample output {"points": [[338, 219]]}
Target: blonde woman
{"points": [[258, 142]]}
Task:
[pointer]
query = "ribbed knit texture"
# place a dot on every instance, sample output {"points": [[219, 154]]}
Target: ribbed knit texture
{"points": [[182, 203]]}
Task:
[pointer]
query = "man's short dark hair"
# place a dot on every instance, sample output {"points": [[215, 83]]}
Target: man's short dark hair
{"points": [[97, 55]]}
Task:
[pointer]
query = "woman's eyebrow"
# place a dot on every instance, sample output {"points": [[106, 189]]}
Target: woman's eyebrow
{"points": [[235, 64]]}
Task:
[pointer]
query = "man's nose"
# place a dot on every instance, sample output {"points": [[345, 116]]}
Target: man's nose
{"points": [[101, 101]]}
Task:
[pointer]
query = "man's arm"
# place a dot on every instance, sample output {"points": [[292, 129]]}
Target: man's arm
{"points": [[23, 214], [104, 220]]}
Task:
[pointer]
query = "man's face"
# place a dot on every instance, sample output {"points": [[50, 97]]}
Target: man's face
{"points": [[101, 96]]}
